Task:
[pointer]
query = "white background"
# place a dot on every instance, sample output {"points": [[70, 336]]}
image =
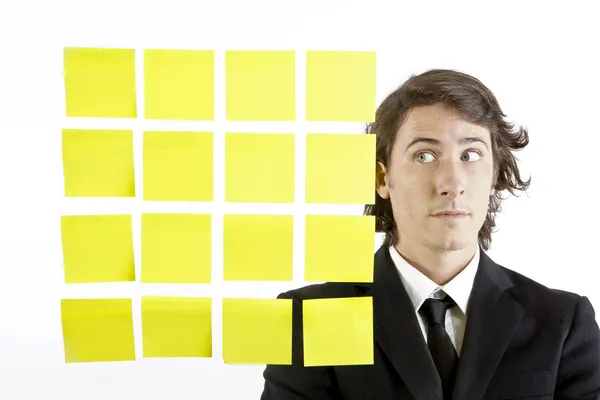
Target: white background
{"points": [[540, 60]]}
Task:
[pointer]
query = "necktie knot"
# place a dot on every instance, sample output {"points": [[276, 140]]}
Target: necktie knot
{"points": [[434, 310]]}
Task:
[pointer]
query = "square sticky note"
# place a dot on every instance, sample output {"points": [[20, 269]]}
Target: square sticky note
{"points": [[97, 248], [176, 326], [96, 330], [339, 248], [258, 247], [340, 86], [259, 167], [260, 85], [98, 163], [179, 84], [340, 168], [323, 322], [100, 83], [176, 248], [178, 166], [257, 331]]}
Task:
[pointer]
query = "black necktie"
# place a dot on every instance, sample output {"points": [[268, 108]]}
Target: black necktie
{"points": [[439, 343]]}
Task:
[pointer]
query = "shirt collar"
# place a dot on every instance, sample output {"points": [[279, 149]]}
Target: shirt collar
{"points": [[420, 287]]}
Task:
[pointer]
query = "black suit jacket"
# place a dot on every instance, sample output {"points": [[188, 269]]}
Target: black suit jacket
{"points": [[522, 341]]}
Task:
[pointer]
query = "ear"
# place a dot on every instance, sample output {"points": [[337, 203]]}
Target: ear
{"points": [[381, 181]]}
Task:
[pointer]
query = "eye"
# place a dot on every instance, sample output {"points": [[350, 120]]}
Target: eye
{"points": [[470, 159], [422, 157]]}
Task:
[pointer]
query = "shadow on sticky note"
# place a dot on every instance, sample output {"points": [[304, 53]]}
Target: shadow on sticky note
{"points": [[96, 330], [179, 84], [257, 331], [178, 166], [97, 248], [176, 326], [176, 248], [340, 86], [98, 163], [259, 168], [338, 331], [339, 248], [340, 168], [260, 85], [100, 83], [258, 247]]}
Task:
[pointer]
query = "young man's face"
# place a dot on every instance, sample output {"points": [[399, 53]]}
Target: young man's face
{"points": [[439, 163]]}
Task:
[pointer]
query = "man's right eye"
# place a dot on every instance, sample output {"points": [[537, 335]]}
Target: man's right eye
{"points": [[423, 157]]}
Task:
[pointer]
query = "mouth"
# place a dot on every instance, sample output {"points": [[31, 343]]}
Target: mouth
{"points": [[451, 214]]}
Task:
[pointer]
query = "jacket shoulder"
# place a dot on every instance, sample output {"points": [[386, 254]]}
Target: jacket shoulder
{"points": [[533, 294]]}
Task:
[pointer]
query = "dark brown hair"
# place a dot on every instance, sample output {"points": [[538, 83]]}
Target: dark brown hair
{"points": [[474, 102]]}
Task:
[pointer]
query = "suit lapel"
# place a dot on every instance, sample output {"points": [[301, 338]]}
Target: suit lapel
{"points": [[492, 318], [397, 331]]}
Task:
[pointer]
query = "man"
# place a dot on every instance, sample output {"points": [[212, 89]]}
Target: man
{"points": [[448, 321]]}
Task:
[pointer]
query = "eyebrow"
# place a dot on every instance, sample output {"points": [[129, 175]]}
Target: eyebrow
{"points": [[462, 141]]}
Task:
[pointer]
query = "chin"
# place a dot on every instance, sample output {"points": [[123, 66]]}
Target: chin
{"points": [[450, 244]]}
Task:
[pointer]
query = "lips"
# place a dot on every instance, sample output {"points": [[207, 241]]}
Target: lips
{"points": [[451, 214]]}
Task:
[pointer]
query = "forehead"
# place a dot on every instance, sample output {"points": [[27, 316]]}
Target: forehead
{"points": [[439, 122]]}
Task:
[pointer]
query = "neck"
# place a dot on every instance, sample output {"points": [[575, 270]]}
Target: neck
{"points": [[439, 265]]}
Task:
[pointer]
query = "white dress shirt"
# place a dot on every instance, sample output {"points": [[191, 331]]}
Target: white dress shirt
{"points": [[420, 287]]}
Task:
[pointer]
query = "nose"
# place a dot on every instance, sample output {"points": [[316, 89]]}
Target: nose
{"points": [[450, 180]]}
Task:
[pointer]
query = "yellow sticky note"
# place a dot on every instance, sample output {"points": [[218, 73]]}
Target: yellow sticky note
{"points": [[178, 166], [97, 248], [258, 247], [340, 86], [176, 326], [338, 331], [96, 330], [339, 248], [179, 84], [98, 163], [100, 83], [340, 168], [259, 167], [260, 85], [176, 248], [257, 331]]}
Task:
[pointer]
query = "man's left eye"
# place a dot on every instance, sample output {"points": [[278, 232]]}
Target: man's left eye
{"points": [[474, 156]]}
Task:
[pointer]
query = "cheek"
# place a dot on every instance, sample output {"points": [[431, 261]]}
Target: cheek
{"points": [[483, 182], [481, 191], [407, 198]]}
